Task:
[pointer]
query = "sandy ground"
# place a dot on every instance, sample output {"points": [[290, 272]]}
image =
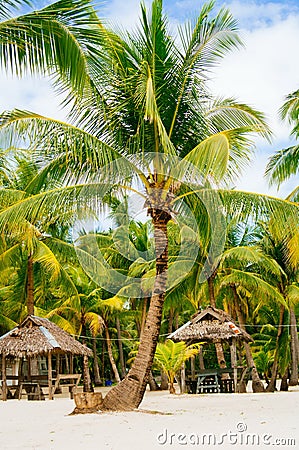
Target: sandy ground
{"points": [[223, 421]]}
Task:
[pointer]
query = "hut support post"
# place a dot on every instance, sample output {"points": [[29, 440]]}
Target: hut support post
{"points": [[29, 368], [233, 353], [4, 387], [192, 363], [58, 364], [50, 375], [67, 364]]}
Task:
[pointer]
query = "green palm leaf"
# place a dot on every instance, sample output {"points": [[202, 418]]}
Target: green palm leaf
{"points": [[36, 42], [254, 283], [283, 165]]}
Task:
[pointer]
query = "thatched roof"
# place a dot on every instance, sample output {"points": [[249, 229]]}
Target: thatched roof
{"points": [[38, 336], [210, 325]]}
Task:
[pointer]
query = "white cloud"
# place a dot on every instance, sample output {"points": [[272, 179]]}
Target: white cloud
{"points": [[123, 13], [262, 74], [252, 14], [265, 71], [30, 93]]}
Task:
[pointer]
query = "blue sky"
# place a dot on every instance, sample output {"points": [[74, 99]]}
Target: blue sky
{"points": [[261, 74]]}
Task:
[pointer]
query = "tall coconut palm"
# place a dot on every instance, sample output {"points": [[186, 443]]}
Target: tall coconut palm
{"points": [[276, 278], [89, 313], [285, 251], [33, 254], [146, 106]]}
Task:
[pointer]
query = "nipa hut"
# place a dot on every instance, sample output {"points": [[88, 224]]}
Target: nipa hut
{"points": [[210, 325], [37, 337], [213, 326]]}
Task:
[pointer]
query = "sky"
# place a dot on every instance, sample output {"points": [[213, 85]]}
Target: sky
{"points": [[261, 74]]}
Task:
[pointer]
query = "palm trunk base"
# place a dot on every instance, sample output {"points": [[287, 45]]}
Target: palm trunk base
{"points": [[271, 386], [164, 382], [125, 396], [87, 403], [284, 386], [293, 381], [152, 383], [257, 384], [171, 388]]}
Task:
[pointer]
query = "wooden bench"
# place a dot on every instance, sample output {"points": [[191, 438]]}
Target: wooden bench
{"points": [[12, 390], [243, 375], [72, 384]]}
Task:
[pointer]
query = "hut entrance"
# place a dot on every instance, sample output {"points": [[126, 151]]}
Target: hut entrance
{"points": [[214, 326]]}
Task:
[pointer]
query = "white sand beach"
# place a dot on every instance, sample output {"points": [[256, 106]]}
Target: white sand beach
{"points": [[223, 421]]}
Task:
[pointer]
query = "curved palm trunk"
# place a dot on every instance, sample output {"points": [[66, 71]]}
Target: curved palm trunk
{"points": [[87, 387], [110, 354], [274, 371], [218, 345], [128, 394], [294, 349], [30, 286], [152, 383], [96, 369], [257, 384], [120, 349], [284, 381]]}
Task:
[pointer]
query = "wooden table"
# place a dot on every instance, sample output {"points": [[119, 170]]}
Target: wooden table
{"points": [[208, 382], [73, 381], [32, 389], [211, 380]]}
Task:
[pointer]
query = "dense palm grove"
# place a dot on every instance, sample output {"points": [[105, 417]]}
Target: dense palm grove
{"points": [[143, 123]]}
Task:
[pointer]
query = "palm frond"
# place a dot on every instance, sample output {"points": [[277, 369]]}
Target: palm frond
{"points": [[212, 155], [36, 42], [282, 165], [96, 323], [254, 283], [293, 294], [252, 255]]}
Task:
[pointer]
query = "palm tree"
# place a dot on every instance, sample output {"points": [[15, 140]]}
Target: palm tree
{"points": [[89, 313], [170, 356], [269, 278], [35, 255], [285, 251], [147, 120]]}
